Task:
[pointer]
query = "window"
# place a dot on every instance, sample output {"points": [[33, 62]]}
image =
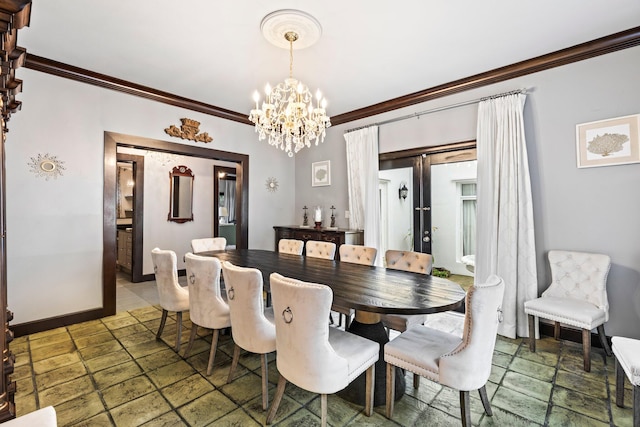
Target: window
{"points": [[467, 226]]}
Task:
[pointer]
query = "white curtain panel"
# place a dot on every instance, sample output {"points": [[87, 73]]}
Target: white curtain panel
{"points": [[362, 175], [505, 236]]}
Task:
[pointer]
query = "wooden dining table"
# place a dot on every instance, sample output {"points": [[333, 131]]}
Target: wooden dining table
{"points": [[370, 290]]}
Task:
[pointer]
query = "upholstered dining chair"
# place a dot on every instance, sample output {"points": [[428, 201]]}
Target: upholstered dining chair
{"points": [[291, 246], [356, 254], [172, 296], [577, 297], [207, 307], [43, 417], [252, 324], [311, 354], [627, 352], [316, 249], [208, 244], [461, 363]]}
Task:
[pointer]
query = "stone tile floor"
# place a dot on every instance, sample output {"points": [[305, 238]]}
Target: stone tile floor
{"points": [[113, 371]]}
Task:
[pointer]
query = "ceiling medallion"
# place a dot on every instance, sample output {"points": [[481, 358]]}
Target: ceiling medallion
{"points": [[289, 117], [189, 130], [272, 184], [46, 166]]}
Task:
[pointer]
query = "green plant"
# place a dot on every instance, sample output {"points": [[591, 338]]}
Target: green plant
{"points": [[440, 272]]}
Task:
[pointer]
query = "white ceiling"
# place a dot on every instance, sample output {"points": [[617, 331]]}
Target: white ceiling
{"points": [[370, 51]]}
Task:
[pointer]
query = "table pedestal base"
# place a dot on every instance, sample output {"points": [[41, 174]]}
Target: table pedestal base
{"points": [[355, 392]]}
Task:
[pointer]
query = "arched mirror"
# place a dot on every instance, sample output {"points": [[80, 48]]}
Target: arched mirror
{"points": [[181, 195]]}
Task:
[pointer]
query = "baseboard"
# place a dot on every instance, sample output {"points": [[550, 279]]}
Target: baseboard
{"points": [[29, 328]]}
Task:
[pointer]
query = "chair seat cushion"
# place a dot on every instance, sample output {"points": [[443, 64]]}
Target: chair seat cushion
{"points": [[627, 351], [580, 314], [359, 352], [418, 350], [402, 322]]}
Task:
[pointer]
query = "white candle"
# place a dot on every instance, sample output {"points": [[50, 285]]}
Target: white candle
{"points": [[318, 217]]}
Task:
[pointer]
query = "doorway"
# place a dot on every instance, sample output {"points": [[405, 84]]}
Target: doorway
{"points": [[129, 218]]}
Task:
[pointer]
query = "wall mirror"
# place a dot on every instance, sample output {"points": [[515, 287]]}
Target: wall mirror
{"points": [[181, 195]]}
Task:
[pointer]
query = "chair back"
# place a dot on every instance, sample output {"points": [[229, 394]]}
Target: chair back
{"points": [[303, 353], [290, 246], [581, 276], [468, 366], [416, 262], [207, 308], [208, 244], [315, 249], [251, 329], [172, 296], [358, 254]]}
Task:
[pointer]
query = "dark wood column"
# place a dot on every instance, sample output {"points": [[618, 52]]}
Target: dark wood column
{"points": [[14, 14]]}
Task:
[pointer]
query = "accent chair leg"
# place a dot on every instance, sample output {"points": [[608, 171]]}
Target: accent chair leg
{"points": [[636, 405], [370, 381], [178, 330], [212, 352], [619, 384], [192, 338], [347, 321], [282, 383], [556, 330], [465, 408], [391, 389], [163, 320], [532, 333], [485, 401], [586, 349], [265, 381], [234, 362], [416, 381], [323, 410], [603, 341]]}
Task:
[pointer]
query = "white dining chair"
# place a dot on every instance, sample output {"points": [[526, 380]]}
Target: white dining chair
{"points": [[207, 307], [172, 296], [355, 254], [317, 249], [461, 363], [43, 417], [208, 244], [252, 324], [311, 354], [577, 296], [627, 352], [290, 246]]}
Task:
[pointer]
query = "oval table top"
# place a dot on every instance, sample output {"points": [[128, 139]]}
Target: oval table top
{"points": [[361, 287]]}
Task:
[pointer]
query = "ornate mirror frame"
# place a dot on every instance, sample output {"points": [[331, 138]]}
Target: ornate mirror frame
{"points": [[180, 195]]}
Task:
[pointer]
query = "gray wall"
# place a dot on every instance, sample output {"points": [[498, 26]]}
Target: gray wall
{"points": [[591, 210]]}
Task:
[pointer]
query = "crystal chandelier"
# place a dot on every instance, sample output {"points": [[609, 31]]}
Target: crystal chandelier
{"points": [[289, 116]]}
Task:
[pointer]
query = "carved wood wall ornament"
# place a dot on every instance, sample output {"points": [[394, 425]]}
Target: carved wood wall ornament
{"points": [[189, 130]]}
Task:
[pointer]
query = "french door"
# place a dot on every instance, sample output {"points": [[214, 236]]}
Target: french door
{"points": [[426, 210]]}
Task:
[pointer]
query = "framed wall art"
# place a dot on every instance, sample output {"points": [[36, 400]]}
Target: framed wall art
{"points": [[608, 142], [321, 173]]}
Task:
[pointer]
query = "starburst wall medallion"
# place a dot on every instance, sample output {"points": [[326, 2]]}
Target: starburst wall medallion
{"points": [[46, 166], [272, 184]]}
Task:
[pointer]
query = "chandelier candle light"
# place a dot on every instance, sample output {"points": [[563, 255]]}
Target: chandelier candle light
{"points": [[289, 115]]}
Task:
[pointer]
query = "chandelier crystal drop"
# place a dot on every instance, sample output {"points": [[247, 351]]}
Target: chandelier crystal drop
{"points": [[290, 117]]}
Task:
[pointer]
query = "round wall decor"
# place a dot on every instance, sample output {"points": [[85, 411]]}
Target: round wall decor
{"points": [[46, 166]]}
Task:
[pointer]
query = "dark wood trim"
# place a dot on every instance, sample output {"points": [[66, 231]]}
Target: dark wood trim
{"points": [[60, 69], [591, 49], [28, 328], [413, 152], [138, 217]]}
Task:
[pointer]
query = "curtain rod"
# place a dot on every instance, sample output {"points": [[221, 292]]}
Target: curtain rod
{"points": [[435, 110]]}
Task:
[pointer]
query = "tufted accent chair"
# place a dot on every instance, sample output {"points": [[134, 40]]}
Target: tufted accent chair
{"points": [[309, 353], [43, 417], [627, 352], [252, 324], [290, 246], [415, 262], [316, 249], [461, 363], [208, 244], [207, 307], [173, 297], [355, 254], [577, 297]]}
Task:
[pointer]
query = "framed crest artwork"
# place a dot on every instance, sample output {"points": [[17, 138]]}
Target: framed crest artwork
{"points": [[321, 173], [608, 142]]}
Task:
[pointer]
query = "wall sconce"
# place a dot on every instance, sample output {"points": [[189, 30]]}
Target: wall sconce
{"points": [[403, 191]]}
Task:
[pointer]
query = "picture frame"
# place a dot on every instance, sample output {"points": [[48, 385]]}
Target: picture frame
{"points": [[608, 142], [321, 173]]}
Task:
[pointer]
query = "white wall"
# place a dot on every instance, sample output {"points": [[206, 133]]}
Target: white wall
{"points": [[592, 210], [400, 211], [54, 228]]}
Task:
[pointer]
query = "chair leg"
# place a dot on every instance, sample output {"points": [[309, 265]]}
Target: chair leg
{"points": [[485, 401], [212, 352], [586, 349], [347, 321], [416, 381], [163, 320], [192, 338], [603, 341], [282, 383], [178, 330], [370, 381], [619, 384], [265, 381], [323, 410], [234, 362], [465, 408], [391, 388], [532, 333], [636, 405]]}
